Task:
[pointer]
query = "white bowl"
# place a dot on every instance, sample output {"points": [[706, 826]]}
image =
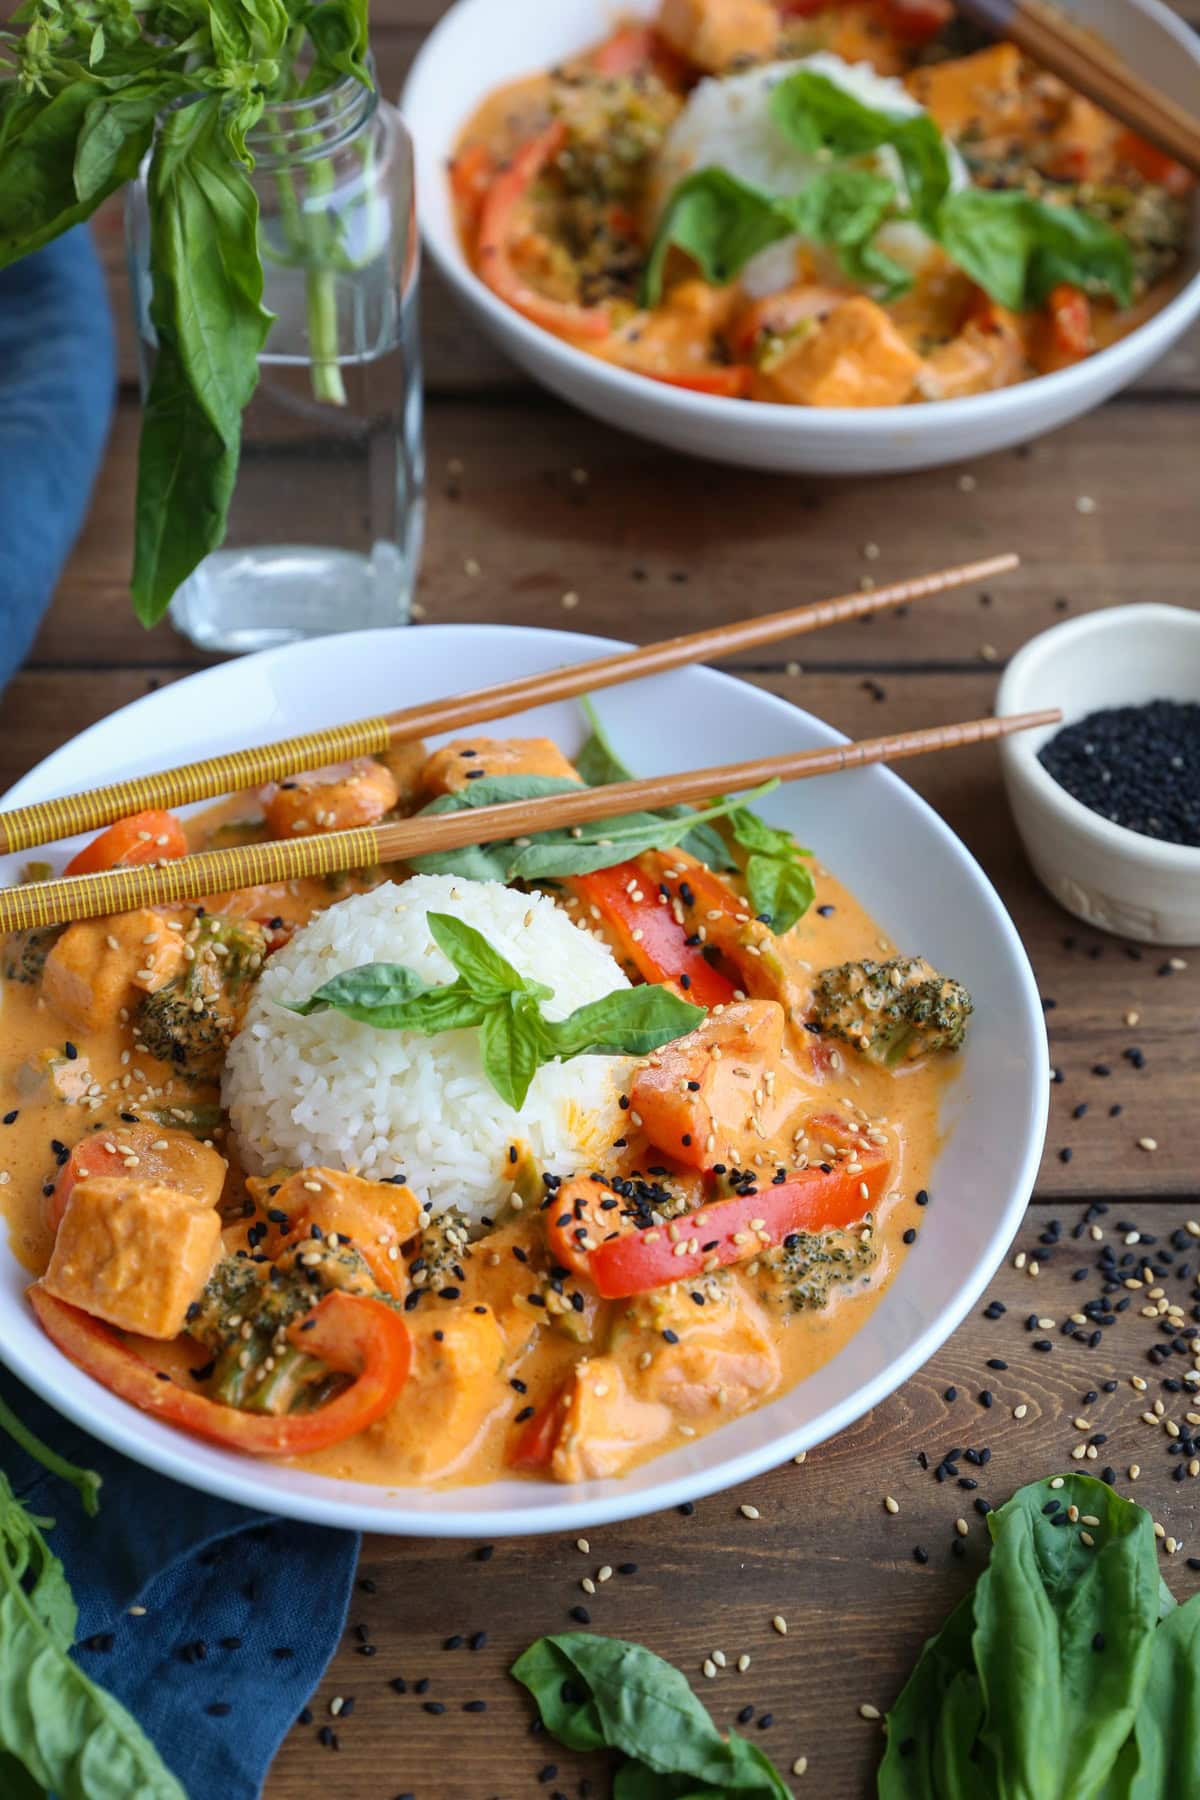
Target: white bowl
{"points": [[869, 826], [480, 44], [1115, 879]]}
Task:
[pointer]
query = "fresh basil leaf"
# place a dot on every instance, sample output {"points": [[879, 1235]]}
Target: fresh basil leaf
{"points": [[554, 855], [816, 114], [114, 136], [1161, 1760], [512, 1047], [210, 322], [720, 222], [1058, 1712], [1017, 247], [630, 1022], [338, 29], [780, 890], [40, 139], [486, 972], [70, 1737], [635, 1702], [599, 764], [926, 1727], [366, 991]]}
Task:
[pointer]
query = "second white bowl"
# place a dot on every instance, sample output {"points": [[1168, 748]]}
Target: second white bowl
{"points": [[480, 44]]}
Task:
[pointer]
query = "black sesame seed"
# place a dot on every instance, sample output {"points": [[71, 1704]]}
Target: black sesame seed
{"points": [[581, 1615]]}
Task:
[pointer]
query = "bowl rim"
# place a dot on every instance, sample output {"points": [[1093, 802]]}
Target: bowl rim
{"points": [[1020, 753], [1153, 336], [234, 1477]]}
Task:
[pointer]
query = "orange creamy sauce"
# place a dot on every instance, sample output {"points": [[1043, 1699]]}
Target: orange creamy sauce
{"points": [[950, 340], [454, 1422]]}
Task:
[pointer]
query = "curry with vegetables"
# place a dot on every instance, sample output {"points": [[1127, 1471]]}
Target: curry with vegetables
{"points": [[840, 203], [776, 1068]]}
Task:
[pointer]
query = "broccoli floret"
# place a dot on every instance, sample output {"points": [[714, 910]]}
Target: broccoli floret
{"points": [[806, 1268], [892, 1011], [445, 1246], [189, 1023]]}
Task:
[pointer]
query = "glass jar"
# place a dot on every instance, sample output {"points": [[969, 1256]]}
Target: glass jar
{"points": [[325, 524]]}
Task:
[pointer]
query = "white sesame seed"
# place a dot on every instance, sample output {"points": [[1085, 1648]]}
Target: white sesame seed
{"points": [[1085, 1537], [799, 1766], [1057, 1482], [967, 484], [604, 1574], [780, 1624], [718, 1657], [867, 1711], [588, 1585], [749, 1512], [803, 1456], [1144, 1143], [893, 1506], [1135, 1470], [1085, 504], [709, 1667], [961, 1526], [1020, 1411], [570, 600], [582, 1545], [743, 1663]]}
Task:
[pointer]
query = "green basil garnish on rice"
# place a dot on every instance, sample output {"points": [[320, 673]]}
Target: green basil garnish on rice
{"points": [[515, 1037]]}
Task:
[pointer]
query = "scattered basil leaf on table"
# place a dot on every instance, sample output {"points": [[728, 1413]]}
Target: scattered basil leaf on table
{"points": [[515, 1037], [59, 1732], [602, 1693], [553, 855], [1068, 1671]]}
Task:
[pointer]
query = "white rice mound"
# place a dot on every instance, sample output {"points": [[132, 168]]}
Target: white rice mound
{"points": [[327, 1090], [727, 124]]}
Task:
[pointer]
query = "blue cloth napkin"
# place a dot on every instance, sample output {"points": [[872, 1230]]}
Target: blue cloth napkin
{"points": [[242, 1611], [57, 379]]}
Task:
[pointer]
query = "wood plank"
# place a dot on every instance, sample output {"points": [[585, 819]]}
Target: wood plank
{"points": [[824, 1554], [1094, 980], [644, 558]]}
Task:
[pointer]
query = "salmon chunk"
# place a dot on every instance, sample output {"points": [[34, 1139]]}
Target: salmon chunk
{"points": [[95, 966], [606, 1426], [467, 759], [134, 1253], [718, 1359], [455, 1384], [980, 94], [856, 357], [723, 1092], [714, 33], [989, 352], [374, 1216]]}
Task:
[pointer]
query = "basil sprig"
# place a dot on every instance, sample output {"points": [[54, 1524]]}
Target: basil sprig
{"points": [[553, 855], [515, 1037], [597, 1693], [777, 880], [1014, 245], [1068, 1670], [59, 1732]]}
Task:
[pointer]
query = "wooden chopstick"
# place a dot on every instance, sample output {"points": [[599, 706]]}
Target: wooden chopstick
{"points": [[216, 871], [47, 820], [1090, 65]]}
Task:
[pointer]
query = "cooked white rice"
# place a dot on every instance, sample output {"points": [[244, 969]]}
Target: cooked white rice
{"points": [[328, 1090], [727, 124]]}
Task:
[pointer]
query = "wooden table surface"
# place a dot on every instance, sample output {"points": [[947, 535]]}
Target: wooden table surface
{"points": [[549, 502]]}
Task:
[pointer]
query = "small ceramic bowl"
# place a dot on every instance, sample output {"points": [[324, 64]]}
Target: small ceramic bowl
{"points": [[1115, 879]]}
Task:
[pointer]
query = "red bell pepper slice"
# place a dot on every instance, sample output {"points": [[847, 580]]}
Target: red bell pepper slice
{"points": [[649, 933], [353, 1335], [1070, 315], [534, 1444], [732, 1231], [916, 21], [731, 382], [146, 837], [1154, 164], [496, 231]]}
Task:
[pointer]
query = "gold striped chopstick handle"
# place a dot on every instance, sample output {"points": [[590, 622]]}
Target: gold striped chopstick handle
{"points": [[48, 820], [192, 878]]}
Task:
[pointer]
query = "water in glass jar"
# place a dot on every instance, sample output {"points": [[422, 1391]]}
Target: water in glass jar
{"points": [[326, 522]]}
